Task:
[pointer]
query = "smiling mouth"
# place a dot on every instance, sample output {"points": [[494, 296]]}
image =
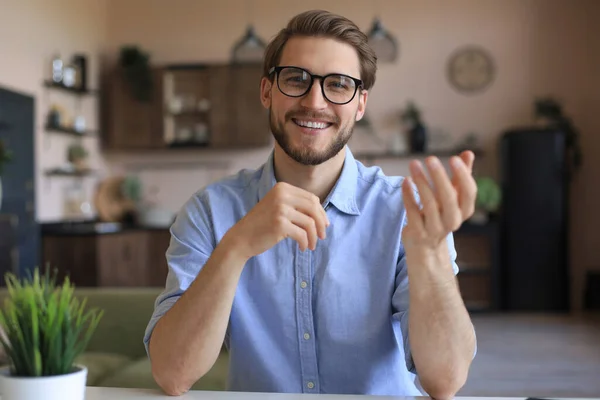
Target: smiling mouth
{"points": [[311, 124]]}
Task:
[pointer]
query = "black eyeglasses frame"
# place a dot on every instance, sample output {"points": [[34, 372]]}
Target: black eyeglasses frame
{"points": [[358, 84]]}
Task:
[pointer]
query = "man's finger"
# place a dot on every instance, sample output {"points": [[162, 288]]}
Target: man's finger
{"points": [[314, 210], [445, 194], [468, 157], [308, 224], [431, 212], [466, 187], [413, 212]]}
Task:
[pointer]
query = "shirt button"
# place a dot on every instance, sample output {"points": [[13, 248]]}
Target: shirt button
{"points": [[306, 336], [310, 385], [303, 284]]}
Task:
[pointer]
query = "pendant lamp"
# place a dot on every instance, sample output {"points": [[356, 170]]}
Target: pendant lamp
{"points": [[249, 49], [382, 42]]}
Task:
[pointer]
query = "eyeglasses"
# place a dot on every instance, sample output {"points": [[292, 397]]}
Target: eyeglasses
{"points": [[296, 82]]}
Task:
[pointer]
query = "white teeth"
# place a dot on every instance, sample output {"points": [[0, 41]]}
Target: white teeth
{"points": [[314, 125]]}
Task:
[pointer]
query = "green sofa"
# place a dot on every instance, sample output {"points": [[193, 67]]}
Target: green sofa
{"points": [[116, 356]]}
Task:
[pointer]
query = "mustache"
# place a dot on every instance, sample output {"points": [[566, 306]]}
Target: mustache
{"points": [[331, 118]]}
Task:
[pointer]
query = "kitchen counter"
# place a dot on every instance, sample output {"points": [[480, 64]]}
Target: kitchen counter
{"points": [[82, 228]]}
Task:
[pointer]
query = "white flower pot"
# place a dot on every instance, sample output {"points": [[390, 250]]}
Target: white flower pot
{"points": [[59, 387]]}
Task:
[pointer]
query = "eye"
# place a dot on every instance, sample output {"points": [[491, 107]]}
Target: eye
{"points": [[340, 83]]}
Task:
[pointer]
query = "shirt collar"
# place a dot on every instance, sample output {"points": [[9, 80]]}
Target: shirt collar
{"points": [[343, 194]]}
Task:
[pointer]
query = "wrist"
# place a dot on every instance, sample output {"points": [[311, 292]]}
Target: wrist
{"points": [[430, 267], [232, 246]]}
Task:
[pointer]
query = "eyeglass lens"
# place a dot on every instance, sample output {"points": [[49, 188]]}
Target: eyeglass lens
{"points": [[295, 82]]}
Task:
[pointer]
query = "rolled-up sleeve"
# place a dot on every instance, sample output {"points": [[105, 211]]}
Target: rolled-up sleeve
{"points": [[192, 242]]}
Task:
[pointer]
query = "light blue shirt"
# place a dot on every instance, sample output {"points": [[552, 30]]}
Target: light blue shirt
{"points": [[332, 320]]}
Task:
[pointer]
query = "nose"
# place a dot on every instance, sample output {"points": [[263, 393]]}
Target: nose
{"points": [[314, 98]]}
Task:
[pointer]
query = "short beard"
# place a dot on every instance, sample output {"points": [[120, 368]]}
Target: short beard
{"points": [[305, 156]]}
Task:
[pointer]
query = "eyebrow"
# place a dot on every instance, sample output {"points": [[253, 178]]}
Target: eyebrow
{"points": [[328, 73]]}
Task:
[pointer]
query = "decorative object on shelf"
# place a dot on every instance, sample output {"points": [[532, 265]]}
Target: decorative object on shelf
{"points": [[5, 156], [488, 199], [148, 212], [57, 69], [75, 202], [137, 72], [46, 327], [382, 42], [77, 155], [548, 112], [411, 117], [249, 49], [69, 76], [79, 124], [79, 62], [470, 142], [132, 188], [471, 69], [54, 119], [111, 202]]}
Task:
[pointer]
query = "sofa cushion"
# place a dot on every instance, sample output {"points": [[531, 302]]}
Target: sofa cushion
{"points": [[100, 365], [138, 374]]}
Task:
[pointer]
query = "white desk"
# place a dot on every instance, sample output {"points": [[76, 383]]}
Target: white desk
{"points": [[96, 393]]}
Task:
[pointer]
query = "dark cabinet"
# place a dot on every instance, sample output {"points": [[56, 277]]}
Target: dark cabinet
{"points": [[128, 258], [249, 117], [212, 106], [127, 123]]}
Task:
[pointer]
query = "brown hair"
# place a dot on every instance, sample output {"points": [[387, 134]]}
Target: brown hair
{"points": [[324, 24]]}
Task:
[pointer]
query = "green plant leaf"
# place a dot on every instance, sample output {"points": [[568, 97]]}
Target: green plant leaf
{"points": [[46, 326]]}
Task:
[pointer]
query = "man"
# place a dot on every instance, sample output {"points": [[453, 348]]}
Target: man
{"points": [[302, 267]]}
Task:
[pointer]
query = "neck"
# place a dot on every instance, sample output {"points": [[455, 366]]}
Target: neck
{"points": [[316, 179]]}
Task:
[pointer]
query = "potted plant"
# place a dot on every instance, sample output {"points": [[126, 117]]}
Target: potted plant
{"points": [[548, 112], [77, 155], [417, 132], [5, 157], [487, 201], [45, 328]]}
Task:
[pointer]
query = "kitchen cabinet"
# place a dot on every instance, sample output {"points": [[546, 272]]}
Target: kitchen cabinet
{"points": [[130, 258], [129, 124], [213, 106]]}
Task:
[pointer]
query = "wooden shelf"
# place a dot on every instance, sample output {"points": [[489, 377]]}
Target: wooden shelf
{"points": [[187, 145], [188, 114], [75, 91], [466, 268], [408, 155], [69, 131], [74, 173]]}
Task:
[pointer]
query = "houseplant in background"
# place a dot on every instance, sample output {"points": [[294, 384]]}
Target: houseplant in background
{"points": [[135, 65], [148, 213], [548, 112], [45, 328], [487, 201], [5, 157], [77, 155], [411, 117]]}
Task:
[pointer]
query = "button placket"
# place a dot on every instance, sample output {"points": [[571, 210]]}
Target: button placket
{"points": [[304, 318]]}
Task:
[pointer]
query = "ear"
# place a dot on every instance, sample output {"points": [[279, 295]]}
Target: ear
{"points": [[265, 92], [362, 104]]}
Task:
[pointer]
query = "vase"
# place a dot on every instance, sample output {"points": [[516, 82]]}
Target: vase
{"points": [[57, 387], [418, 139]]}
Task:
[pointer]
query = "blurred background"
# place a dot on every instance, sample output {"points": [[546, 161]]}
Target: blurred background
{"points": [[114, 112]]}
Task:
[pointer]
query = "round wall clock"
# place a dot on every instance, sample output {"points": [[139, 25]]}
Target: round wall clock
{"points": [[471, 69]]}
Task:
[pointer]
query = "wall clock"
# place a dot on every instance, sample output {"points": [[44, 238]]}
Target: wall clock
{"points": [[471, 69]]}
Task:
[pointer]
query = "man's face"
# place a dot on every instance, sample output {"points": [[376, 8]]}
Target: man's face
{"points": [[311, 129]]}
